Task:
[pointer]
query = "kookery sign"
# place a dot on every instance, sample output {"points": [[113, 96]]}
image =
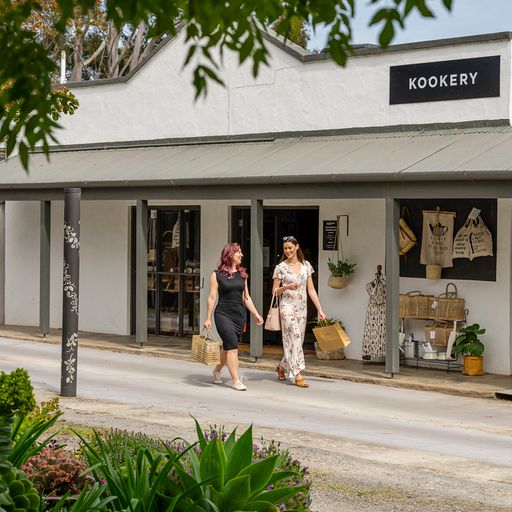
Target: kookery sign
{"points": [[445, 80]]}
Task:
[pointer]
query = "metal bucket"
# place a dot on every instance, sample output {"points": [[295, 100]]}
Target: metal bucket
{"points": [[411, 349]]}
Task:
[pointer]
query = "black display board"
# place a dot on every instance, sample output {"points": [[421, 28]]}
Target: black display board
{"points": [[480, 269], [329, 235]]}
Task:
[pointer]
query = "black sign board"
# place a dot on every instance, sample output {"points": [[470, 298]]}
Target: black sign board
{"points": [[329, 235], [447, 80]]}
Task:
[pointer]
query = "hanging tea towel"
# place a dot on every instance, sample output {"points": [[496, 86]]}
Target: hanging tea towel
{"points": [[474, 239], [437, 238]]}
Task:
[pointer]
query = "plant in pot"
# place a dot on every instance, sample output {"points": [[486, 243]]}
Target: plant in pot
{"points": [[468, 344], [340, 271]]}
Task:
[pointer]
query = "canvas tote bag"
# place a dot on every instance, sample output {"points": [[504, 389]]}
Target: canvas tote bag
{"points": [[273, 321], [437, 238], [474, 239]]}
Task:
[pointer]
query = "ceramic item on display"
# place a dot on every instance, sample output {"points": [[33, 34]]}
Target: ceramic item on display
{"points": [[430, 355], [441, 355]]}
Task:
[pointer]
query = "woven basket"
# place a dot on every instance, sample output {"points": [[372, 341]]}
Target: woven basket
{"points": [[438, 334], [415, 305], [447, 306], [337, 282], [433, 271], [205, 349]]}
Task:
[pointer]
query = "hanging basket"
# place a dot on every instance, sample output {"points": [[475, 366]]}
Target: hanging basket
{"points": [[434, 271], [337, 282]]}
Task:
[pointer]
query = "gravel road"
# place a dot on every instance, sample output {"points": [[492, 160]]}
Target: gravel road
{"points": [[347, 475]]}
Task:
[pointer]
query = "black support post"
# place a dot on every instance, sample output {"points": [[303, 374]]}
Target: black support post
{"points": [[70, 292]]}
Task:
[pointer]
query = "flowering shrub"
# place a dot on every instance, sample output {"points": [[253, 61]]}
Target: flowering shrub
{"points": [[54, 472]]}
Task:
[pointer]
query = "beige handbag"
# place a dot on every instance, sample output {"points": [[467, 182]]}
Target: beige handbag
{"points": [[273, 321]]}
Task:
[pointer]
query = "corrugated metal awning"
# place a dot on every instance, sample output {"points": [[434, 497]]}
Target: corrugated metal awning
{"points": [[458, 154]]}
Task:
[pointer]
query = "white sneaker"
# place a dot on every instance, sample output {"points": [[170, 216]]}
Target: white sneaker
{"points": [[239, 385], [217, 379]]}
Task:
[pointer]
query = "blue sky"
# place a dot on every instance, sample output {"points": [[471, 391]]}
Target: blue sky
{"points": [[468, 17]]}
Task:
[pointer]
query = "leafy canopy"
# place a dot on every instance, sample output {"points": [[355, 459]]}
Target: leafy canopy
{"points": [[235, 25]]}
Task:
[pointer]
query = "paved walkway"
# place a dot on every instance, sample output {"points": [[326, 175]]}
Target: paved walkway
{"points": [[423, 378]]}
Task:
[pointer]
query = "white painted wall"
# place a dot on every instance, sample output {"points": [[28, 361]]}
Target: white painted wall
{"points": [[105, 280], [288, 96], [22, 263], [104, 265]]}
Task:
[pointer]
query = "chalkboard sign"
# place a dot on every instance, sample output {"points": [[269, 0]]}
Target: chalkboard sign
{"points": [[478, 269], [329, 235]]}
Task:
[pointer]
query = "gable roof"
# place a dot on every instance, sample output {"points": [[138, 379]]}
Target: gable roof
{"points": [[305, 56]]}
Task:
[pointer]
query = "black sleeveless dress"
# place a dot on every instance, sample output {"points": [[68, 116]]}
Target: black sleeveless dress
{"points": [[230, 313]]}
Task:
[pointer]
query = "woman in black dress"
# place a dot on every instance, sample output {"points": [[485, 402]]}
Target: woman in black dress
{"points": [[229, 284]]}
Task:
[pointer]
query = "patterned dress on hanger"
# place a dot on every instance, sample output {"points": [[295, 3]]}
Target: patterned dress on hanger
{"points": [[374, 337], [294, 310]]}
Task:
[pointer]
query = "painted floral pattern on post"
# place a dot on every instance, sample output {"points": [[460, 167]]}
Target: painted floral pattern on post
{"points": [[70, 362], [70, 237], [294, 310], [70, 290]]}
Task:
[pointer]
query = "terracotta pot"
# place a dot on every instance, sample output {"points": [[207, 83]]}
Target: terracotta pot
{"points": [[337, 282], [473, 365]]}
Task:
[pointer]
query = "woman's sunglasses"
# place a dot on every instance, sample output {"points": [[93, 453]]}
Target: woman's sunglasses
{"points": [[289, 239]]}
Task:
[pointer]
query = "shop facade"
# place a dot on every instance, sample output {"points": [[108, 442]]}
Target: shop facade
{"points": [[303, 143]]}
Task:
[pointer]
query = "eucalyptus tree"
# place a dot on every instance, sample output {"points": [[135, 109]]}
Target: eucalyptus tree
{"points": [[212, 27]]}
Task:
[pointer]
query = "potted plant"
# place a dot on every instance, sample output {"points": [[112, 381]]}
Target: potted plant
{"points": [[468, 344], [340, 271]]}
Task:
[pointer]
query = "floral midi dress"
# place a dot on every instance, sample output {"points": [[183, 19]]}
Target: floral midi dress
{"points": [[293, 308]]}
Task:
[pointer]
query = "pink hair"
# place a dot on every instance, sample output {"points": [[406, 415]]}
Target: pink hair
{"points": [[226, 261]]}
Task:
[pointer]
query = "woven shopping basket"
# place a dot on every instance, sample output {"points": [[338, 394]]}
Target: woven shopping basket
{"points": [[205, 349], [447, 306], [415, 305], [438, 333]]}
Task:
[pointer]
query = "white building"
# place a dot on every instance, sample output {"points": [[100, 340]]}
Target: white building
{"points": [[302, 143]]}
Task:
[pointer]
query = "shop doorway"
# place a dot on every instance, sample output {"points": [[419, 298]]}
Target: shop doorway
{"points": [[173, 263], [301, 222]]}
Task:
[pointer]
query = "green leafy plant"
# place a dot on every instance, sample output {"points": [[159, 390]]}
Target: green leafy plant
{"points": [[468, 343], [116, 444], [316, 322], [136, 486], [28, 429], [16, 397], [56, 471], [222, 476], [341, 268]]}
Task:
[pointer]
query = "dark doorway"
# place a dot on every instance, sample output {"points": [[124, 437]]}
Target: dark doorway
{"points": [[173, 262], [301, 222]]}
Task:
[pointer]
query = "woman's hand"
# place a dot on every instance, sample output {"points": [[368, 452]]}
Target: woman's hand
{"points": [[258, 318], [321, 315], [207, 324], [291, 286]]}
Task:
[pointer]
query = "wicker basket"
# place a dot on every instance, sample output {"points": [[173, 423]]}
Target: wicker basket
{"points": [[438, 334], [447, 306], [415, 305], [205, 349]]}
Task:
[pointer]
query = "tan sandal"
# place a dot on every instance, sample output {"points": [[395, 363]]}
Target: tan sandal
{"points": [[280, 373], [300, 382]]}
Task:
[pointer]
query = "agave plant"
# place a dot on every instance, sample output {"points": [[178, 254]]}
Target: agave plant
{"points": [[223, 477]]}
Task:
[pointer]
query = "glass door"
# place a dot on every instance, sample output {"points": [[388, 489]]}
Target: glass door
{"points": [[173, 271]]}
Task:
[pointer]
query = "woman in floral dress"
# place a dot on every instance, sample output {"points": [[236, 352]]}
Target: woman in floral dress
{"points": [[293, 283]]}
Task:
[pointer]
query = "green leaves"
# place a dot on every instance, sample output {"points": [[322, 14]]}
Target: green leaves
{"points": [[468, 343], [30, 108]]}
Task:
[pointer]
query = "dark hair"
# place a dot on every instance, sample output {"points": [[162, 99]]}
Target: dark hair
{"points": [[294, 241], [226, 261]]}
